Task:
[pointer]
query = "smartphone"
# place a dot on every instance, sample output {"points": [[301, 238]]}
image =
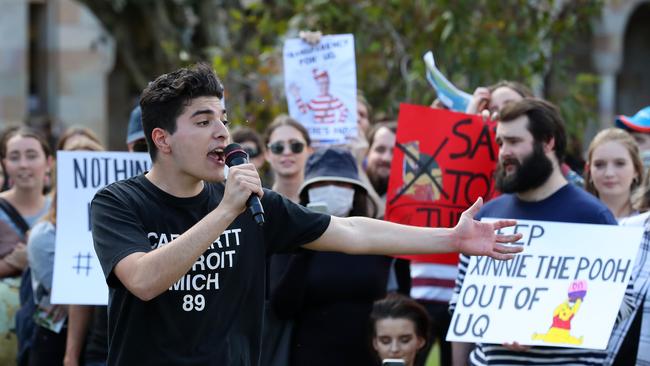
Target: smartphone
{"points": [[393, 362], [320, 207]]}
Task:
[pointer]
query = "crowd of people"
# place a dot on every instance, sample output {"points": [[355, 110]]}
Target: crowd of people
{"points": [[317, 284]]}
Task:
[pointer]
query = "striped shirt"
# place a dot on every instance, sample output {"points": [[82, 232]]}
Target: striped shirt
{"points": [[432, 281], [636, 298], [325, 108]]}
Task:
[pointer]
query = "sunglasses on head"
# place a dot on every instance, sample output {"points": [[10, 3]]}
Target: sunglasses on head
{"points": [[296, 147], [252, 152]]}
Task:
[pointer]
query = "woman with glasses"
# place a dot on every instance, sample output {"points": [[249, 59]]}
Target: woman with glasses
{"points": [[288, 147]]}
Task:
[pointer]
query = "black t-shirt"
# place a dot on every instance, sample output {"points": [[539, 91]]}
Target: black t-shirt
{"points": [[213, 314]]}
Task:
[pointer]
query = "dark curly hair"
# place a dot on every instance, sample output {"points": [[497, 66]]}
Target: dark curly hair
{"points": [[164, 99]]}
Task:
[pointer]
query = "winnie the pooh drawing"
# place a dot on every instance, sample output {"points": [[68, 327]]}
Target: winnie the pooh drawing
{"points": [[562, 316]]}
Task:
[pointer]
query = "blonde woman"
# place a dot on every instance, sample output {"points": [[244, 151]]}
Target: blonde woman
{"points": [[614, 170], [613, 174]]}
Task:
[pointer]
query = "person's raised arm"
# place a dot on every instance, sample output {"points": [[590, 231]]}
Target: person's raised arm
{"points": [[147, 275], [360, 235], [480, 100]]}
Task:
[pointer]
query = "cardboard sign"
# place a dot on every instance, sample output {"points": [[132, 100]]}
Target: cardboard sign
{"points": [[78, 276], [564, 290], [443, 161], [321, 86]]}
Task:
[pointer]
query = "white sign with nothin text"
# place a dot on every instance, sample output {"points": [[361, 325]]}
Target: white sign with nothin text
{"points": [[564, 289], [78, 276]]}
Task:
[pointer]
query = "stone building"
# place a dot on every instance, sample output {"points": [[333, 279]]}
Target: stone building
{"points": [[55, 59], [621, 54]]}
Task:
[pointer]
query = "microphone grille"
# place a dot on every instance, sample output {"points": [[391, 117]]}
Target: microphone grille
{"points": [[233, 151]]}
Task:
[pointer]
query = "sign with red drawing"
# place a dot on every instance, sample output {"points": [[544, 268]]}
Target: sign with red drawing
{"points": [[443, 161], [321, 86]]}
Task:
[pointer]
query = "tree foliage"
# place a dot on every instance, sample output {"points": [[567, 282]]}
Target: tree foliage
{"points": [[475, 43]]}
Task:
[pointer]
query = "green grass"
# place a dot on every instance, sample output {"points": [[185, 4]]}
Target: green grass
{"points": [[434, 356]]}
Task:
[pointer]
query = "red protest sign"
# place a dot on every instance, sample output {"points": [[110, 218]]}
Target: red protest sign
{"points": [[442, 162]]}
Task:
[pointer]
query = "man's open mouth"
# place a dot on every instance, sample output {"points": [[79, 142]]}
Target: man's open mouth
{"points": [[217, 154]]}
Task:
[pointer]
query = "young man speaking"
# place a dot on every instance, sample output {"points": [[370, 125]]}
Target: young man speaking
{"points": [[185, 264]]}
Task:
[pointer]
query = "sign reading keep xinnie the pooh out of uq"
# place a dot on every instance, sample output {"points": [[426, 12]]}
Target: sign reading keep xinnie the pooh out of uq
{"points": [[564, 289]]}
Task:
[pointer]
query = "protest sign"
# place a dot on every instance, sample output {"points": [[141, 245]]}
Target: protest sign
{"points": [[78, 276], [564, 290], [443, 161], [452, 97], [321, 86]]}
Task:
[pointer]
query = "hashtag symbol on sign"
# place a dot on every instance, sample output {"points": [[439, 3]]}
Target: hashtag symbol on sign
{"points": [[82, 258]]}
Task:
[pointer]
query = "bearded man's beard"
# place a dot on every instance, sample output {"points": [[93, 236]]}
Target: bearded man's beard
{"points": [[532, 172], [380, 184]]}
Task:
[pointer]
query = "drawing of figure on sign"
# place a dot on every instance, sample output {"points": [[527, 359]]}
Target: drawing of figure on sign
{"points": [[326, 108], [421, 174], [560, 329]]}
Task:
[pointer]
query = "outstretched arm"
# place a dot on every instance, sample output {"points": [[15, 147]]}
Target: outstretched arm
{"points": [[360, 235]]}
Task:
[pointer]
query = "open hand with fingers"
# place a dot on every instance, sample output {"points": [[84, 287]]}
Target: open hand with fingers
{"points": [[479, 238]]}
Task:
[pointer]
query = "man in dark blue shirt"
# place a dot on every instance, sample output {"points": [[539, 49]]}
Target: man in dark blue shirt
{"points": [[532, 142]]}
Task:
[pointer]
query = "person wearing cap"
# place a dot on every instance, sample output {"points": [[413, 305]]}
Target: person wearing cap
{"points": [[330, 306], [135, 140], [639, 127]]}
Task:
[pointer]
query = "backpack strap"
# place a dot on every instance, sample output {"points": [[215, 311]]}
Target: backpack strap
{"points": [[14, 215]]}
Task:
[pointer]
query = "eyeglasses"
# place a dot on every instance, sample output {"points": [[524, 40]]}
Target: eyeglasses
{"points": [[296, 147], [252, 152]]}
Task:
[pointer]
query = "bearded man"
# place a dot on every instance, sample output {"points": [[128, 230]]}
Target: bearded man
{"points": [[532, 141]]}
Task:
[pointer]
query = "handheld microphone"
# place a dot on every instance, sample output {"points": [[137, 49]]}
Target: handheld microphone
{"points": [[235, 155]]}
